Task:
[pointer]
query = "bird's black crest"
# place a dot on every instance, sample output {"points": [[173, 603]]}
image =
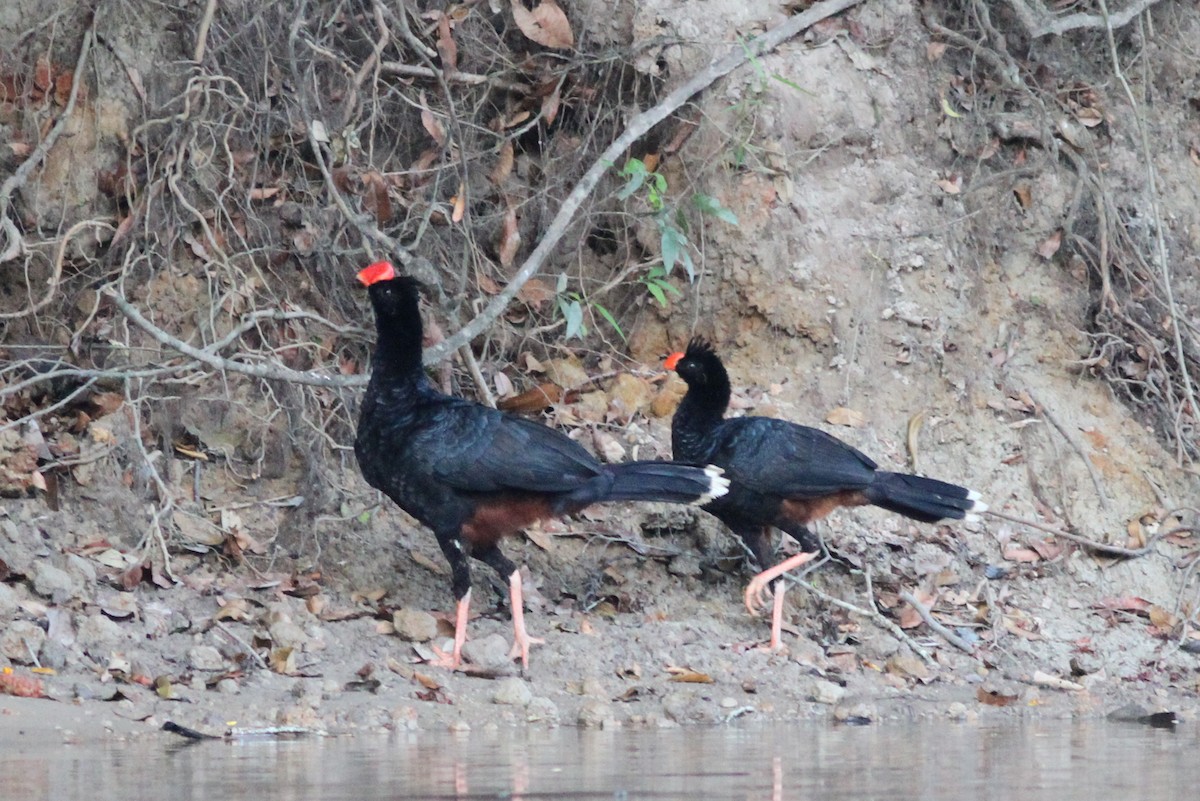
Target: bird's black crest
{"points": [[699, 346]]}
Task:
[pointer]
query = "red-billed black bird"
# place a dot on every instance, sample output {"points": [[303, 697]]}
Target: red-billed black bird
{"points": [[473, 474], [785, 475]]}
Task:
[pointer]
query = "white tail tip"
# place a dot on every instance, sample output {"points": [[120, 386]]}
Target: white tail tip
{"points": [[718, 485], [977, 505]]}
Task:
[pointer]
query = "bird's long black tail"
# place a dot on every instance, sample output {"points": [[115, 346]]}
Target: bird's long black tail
{"points": [[665, 481], [924, 499]]}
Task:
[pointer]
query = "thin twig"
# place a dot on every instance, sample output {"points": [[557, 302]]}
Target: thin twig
{"points": [[926, 615], [1044, 24], [1102, 547], [454, 76], [874, 614], [202, 33], [249, 649], [1075, 445], [273, 371]]}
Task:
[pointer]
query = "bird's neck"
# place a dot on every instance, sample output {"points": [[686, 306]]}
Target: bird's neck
{"points": [[702, 409], [398, 347]]}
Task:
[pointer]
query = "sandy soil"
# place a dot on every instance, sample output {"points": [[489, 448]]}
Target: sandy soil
{"points": [[860, 277]]}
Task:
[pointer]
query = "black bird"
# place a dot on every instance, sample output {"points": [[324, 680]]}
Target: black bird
{"points": [[785, 475], [473, 474]]}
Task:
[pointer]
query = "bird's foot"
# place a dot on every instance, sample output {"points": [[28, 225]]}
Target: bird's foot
{"points": [[449, 661], [756, 590], [520, 647]]}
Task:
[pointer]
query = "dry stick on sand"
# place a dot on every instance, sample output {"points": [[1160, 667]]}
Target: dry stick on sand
{"points": [[927, 615], [1075, 445], [874, 614], [1090, 544]]}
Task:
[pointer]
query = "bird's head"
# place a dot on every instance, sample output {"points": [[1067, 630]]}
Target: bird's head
{"points": [[392, 294], [698, 365]]}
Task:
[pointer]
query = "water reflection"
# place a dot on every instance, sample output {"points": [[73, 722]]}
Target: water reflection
{"points": [[1056, 761]]}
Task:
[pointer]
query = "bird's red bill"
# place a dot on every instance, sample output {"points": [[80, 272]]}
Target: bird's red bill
{"points": [[379, 271], [673, 360]]}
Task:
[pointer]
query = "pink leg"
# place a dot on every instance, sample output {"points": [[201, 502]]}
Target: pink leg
{"points": [[521, 638], [777, 619], [461, 613], [757, 588]]}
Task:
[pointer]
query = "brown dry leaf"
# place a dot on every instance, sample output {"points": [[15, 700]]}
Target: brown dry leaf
{"points": [[1136, 532], [532, 401], [994, 698], [517, 119], [934, 51], [460, 204], [567, 373], [504, 384], [505, 160], [535, 294], [651, 160], [446, 47], [907, 665], [1048, 248], [1162, 618], [546, 24], [1017, 554], [550, 104], [688, 676], [1098, 440], [433, 566], [20, 149], [41, 73], [1089, 116], [376, 199], [431, 123], [62, 88], [841, 416], [1047, 549], [914, 431], [428, 682], [283, 660], [1024, 195], [232, 609], [510, 237], [264, 192], [539, 537], [1124, 603], [951, 185]]}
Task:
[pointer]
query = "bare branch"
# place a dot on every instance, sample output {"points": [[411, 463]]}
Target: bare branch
{"points": [[1040, 22], [269, 371]]}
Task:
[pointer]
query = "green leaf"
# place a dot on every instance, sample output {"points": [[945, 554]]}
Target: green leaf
{"points": [[635, 171], [667, 286], [562, 284], [365, 517], [573, 314], [672, 239], [687, 262], [792, 84], [707, 204], [656, 291], [607, 315]]}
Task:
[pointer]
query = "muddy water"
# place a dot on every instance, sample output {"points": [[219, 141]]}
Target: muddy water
{"points": [[1062, 762]]}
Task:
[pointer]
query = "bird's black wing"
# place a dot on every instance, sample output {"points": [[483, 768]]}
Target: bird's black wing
{"points": [[776, 457], [482, 450]]}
